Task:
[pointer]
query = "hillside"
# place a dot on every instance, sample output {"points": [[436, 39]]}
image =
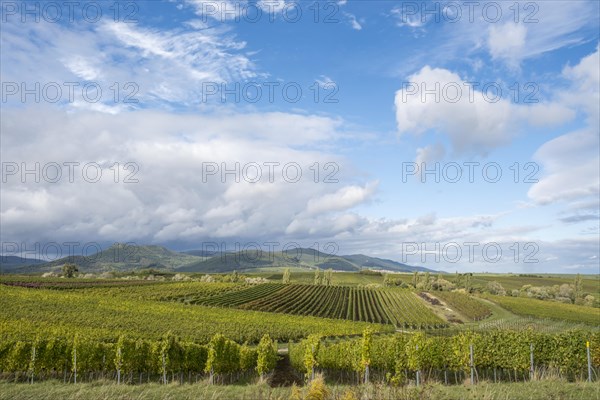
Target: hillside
{"points": [[11, 263], [119, 257], [380, 263], [123, 257], [298, 258]]}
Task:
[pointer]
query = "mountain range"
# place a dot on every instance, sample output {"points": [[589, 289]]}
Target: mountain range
{"points": [[125, 257]]}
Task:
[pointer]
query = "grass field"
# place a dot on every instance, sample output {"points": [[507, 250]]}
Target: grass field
{"points": [[546, 390], [464, 304], [591, 284], [548, 309]]}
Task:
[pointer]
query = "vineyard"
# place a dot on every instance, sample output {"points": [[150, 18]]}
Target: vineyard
{"points": [[398, 307], [122, 358], [233, 299], [464, 304], [95, 314], [187, 332], [385, 306], [497, 355]]}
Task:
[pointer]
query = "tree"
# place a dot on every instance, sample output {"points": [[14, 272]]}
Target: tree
{"points": [[69, 270], [318, 278], [327, 277], [468, 281], [286, 276], [427, 281], [578, 287], [415, 279]]}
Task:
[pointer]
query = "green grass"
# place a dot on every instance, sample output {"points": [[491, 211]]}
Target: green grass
{"points": [[547, 390], [591, 284], [464, 304], [548, 309]]}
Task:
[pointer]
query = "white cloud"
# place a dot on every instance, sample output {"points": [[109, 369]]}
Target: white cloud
{"points": [[272, 6], [221, 11], [560, 24], [164, 66], [353, 21], [172, 201], [430, 154], [571, 162], [345, 198], [411, 20], [506, 42], [475, 122]]}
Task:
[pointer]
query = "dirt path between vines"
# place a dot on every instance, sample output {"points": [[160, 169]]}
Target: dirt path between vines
{"points": [[284, 374]]}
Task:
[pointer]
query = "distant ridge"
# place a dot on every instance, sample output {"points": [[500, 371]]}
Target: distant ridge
{"points": [[125, 257], [11, 263]]}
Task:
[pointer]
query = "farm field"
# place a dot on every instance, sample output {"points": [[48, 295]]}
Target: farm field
{"points": [[338, 278], [102, 313], [548, 309], [465, 304], [591, 284], [389, 306], [135, 326]]}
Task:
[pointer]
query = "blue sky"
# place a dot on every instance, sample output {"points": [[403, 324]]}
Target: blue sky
{"points": [[369, 128]]}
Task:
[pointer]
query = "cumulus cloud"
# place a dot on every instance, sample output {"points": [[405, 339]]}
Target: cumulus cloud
{"points": [[571, 162], [474, 120], [570, 165], [198, 176]]}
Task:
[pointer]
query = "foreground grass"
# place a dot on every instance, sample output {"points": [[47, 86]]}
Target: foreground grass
{"points": [[548, 390]]}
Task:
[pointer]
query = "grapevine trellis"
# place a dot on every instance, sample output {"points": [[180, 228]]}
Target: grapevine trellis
{"points": [[493, 355]]}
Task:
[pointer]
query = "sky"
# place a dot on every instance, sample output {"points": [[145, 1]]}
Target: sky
{"points": [[459, 136]]}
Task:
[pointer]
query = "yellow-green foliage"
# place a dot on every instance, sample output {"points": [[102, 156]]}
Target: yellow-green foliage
{"points": [[548, 309], [317, 389], [94, 313], [349, 395], [296, 393]]}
